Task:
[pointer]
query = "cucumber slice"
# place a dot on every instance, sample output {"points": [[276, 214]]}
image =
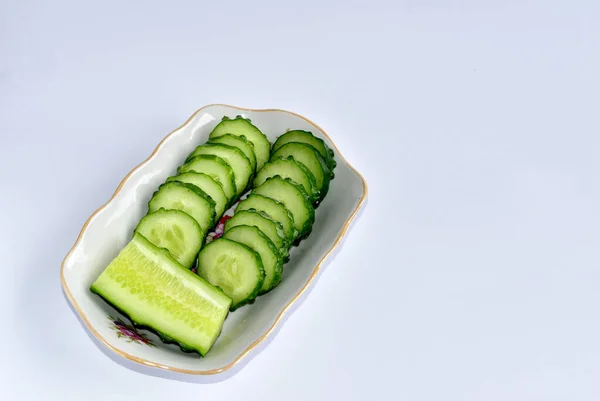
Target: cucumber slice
{"points": [[233, 267], [241, 143], [175, 231], [294, 198], [242, 169], [261, 244], [217, 168], [308, 137], [242, 126], [188, 198], [206, 183], [270, 227], [308, 156], [274, 209], [148, 285], [289, 168]]}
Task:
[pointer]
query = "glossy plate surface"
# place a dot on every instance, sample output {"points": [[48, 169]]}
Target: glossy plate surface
{"points": [[111, 226]]}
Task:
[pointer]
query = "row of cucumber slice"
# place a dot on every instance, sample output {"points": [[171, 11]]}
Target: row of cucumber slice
{"points": [[247, 261], [212, 178], [288, 179]]}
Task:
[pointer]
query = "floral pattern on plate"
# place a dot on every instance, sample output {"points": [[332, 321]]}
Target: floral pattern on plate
{"points": [[129, 332]]}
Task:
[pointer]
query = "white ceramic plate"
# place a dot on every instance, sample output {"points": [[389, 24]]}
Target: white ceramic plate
{"points": [[110, 228]]}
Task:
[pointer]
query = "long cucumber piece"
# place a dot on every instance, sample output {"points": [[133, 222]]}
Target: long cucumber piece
{"points": [[155, 291]]}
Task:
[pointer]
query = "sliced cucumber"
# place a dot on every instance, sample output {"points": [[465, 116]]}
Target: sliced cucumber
{"points": [[268, 252], [274, 209], [294, 198], [217, 168], [307, 137], [308, 156], [242, 169], [241, 126], [241, 143], [148, 285], [272, 229], [208, 184], [175, 231], [289, 168], [189, 199], [233, 267]]}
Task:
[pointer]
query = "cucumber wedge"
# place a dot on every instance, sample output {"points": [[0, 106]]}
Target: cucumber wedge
{"points": [[289, 168], [217, 168], [242, 126], [149, 286], [271, 228], [175, 231], [311, 159], [261, 244], [242, 169], [206, 183], [234, 268], [241, 143], [308, 138], [294, 198], [272, 208], [189, 199]]}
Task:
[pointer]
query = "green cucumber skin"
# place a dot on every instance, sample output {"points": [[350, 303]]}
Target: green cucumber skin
{"points": [[196, 190], [292, 234], [223, 139], [328, 155], [328, 176], [314, 191], [183, 169], [252, 297], [326, 171], [239, 152], [284, 250], [262, 154], [278, 270], [307, 228], [221, 193]]}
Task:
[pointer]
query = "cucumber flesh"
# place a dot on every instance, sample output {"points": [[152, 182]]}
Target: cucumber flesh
{"points": [[309, 138], [241, 143], [217, 168], [234, 268], [289, 168], [175, 231], [268, 252], [206, 183], [311, 159], [271, 228], [155, 291], [189, 199], [272, 208], [294, 198], [242, 126], [242, 169]]}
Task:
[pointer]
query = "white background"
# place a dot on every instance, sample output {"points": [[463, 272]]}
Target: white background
{"points": [[473, 272]]}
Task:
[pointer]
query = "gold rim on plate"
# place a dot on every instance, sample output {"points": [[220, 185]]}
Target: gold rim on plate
{"points": [[283, 311]]}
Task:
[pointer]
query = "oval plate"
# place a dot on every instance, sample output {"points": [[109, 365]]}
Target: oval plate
{"points": [[109, 229]]}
